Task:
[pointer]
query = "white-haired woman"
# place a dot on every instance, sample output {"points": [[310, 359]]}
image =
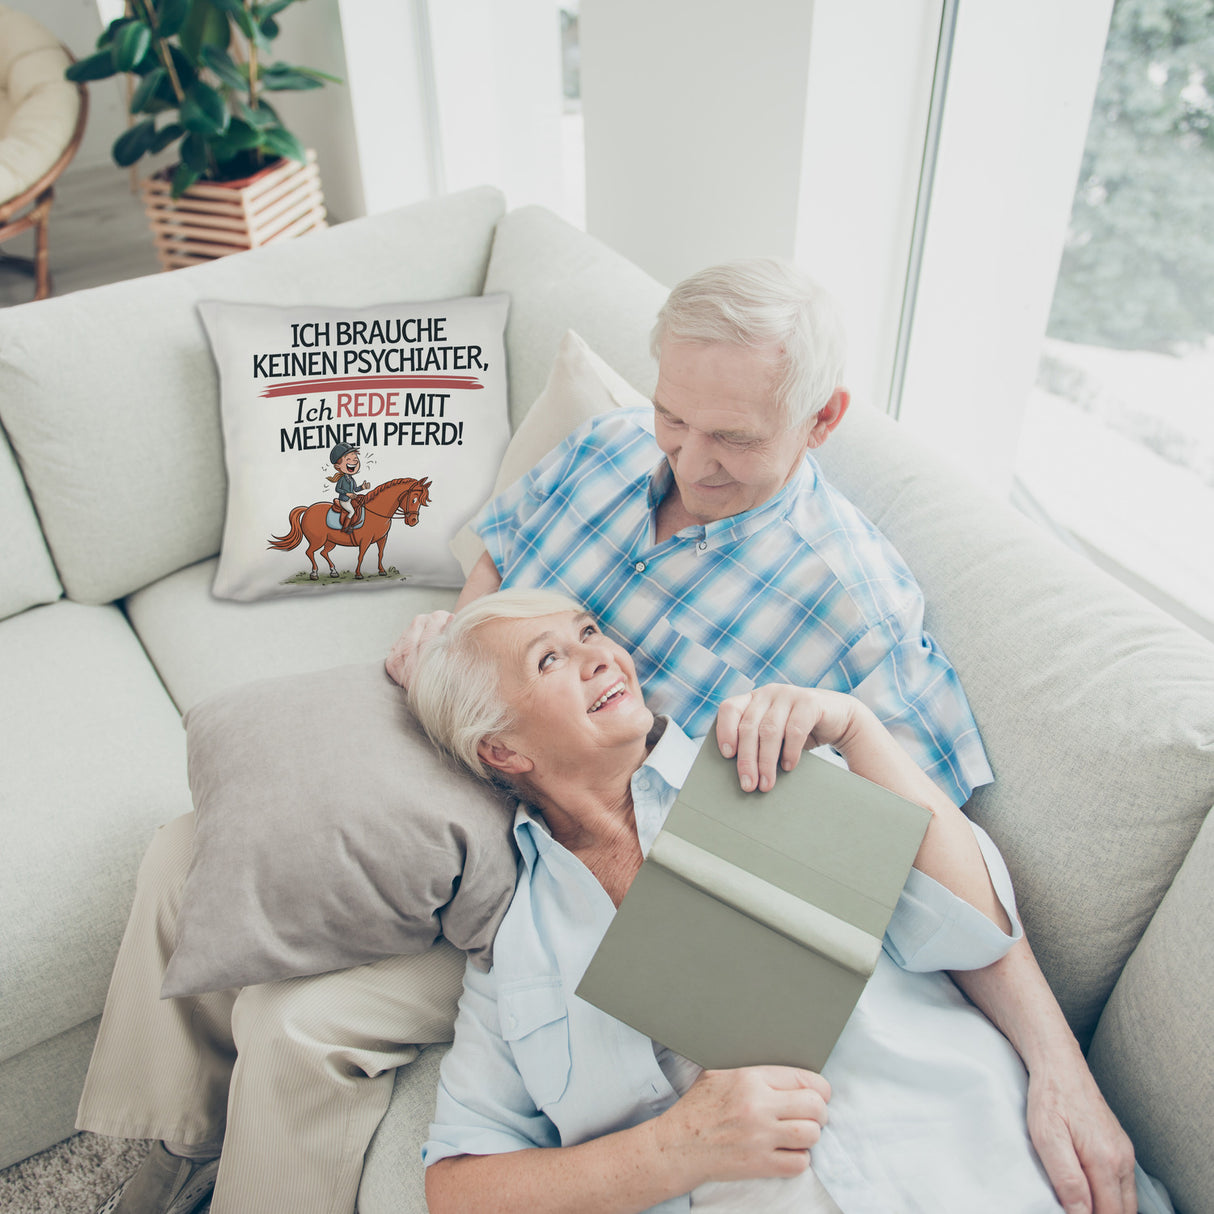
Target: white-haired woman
{"points": [[546, 1103]]}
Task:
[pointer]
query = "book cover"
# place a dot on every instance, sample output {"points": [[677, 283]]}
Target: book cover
{"points": [[755, 921]]}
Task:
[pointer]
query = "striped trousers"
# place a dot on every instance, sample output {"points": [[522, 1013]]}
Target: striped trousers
{"points": [[292, 1076]]}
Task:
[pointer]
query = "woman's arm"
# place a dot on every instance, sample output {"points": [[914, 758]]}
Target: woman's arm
{"points": [[730, 1125], [769, 728]]}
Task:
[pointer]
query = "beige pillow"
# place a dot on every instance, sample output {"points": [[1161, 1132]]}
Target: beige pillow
{"points": [[580, 386], [329, 833]]}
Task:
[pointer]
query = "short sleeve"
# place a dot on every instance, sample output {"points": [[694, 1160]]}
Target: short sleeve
{"points": [[933, 929], [483, 1107]]}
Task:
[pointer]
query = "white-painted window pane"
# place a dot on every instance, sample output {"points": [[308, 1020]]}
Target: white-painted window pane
{"points": [[1117, 445]]}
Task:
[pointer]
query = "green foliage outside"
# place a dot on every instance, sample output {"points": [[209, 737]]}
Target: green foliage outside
{"points": [[201, 71], [1138, 269]]}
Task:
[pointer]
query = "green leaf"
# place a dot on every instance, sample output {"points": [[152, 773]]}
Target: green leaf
{"points": [[195, 154], [279, 77], [203, 111], [131, 44], [166, 135], [95, 67], [317, 74], [132, 144], [205, 26], [281, 142], [144, 98], [187, 73], [261, 118], [171, 16], [269, 30], [108, 34], [241, 137], [225, 67], [271, 9], [183, 178]]}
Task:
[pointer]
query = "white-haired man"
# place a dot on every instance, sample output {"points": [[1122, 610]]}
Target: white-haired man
{"points": [[703, 537]]}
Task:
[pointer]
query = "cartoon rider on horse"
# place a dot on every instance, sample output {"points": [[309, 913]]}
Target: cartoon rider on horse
{"points": [[345, 461]]}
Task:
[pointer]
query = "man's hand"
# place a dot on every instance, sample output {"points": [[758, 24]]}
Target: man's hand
{"points": [[749, 1122], [403, 656], [770, 727], [1086, 1154]]}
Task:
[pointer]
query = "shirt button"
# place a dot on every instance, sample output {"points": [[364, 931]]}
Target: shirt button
{"points": [[639, 566], [702, 545]]}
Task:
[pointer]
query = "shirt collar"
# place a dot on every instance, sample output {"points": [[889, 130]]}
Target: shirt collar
{"points": [[655, 784], [737, 526]]}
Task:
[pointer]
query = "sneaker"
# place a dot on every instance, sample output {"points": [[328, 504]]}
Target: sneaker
{"points": [[164, 1184]]}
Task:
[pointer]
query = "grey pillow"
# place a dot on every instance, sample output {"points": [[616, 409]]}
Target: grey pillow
{"points": [[330, 833]]}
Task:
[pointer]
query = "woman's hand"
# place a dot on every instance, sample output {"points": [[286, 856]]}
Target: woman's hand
{"points": [[750, 1122], [402, 658], [772, 725]]}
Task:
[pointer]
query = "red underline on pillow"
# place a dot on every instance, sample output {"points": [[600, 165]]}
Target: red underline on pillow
{"points": [[362, 382]]}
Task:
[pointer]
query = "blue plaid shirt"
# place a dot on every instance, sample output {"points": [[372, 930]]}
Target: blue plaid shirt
{"points": [[802, 589]]}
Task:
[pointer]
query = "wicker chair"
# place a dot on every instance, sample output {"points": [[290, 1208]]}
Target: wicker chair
{"points": [[42, 118]]}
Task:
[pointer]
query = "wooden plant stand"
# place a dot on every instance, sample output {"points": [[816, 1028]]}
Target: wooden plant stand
{"points": [[215, 218]]}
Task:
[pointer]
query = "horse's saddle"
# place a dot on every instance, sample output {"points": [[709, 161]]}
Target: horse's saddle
{"points": [[336, 518]]}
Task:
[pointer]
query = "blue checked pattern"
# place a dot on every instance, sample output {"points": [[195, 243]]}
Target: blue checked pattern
{"points": [[802, 590]]}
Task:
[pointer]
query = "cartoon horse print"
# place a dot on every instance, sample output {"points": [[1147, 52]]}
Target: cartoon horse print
{"points": [[402, 498]]}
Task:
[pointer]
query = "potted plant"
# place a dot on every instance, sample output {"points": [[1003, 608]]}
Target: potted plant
{"points": [[201, 71]]}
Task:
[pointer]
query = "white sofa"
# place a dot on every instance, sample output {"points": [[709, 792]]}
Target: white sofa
{"points": [[1097, 711]]}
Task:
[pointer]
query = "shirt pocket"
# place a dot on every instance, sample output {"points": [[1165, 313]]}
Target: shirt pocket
{"points": [[535, 1024], [681, 671]]}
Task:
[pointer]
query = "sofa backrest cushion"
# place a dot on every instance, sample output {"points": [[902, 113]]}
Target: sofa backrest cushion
{"points": [[558, 278], [29, 575], [1097, 710], [1153, 1054], [111, 399]]}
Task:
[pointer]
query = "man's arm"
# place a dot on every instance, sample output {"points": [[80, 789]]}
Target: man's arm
{"points": [[1087, 1155]]}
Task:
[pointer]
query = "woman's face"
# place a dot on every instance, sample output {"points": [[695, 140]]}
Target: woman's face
{"points": [[573, 692]]}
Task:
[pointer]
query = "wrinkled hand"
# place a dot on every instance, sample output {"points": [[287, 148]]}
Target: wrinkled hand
{"points": [[1086, 1154], [772, 725], [750, 1122], [401, 659]]}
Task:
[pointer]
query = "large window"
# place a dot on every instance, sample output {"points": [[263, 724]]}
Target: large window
{"points": [[1117, 444]]}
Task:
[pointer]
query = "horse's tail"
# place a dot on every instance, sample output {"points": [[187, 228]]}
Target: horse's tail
{"points": [[284, 543]]}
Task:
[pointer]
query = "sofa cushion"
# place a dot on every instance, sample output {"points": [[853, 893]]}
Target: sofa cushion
{"points": [[403, 403], [558, 278], [29, 575], [79, 694], [110, 396], [329, 832], [580, 386], [1152, 1054], [202, 645], [1097, 710]]}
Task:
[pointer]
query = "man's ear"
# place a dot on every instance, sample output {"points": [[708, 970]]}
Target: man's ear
{"points": [[829, 416], [495, 754]]}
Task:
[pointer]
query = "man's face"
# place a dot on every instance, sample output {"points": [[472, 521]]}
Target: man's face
{"points": [[716, 419], [573, 691], [349, 462]]}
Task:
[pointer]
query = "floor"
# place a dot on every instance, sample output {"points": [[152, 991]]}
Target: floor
{"points": [[98, 234]]}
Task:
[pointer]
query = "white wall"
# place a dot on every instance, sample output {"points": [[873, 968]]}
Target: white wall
{"points": [[694, 116]]}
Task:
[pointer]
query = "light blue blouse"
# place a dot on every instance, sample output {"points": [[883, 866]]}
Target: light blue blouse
{"points": [[928, 1104]]}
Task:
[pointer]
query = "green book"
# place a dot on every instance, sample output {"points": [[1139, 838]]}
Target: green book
{"points": [[757, 918]]}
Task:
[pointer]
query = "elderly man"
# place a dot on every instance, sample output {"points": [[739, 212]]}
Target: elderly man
{"points": [[705, 539]]}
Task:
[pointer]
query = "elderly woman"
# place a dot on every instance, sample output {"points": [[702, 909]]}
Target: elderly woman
{"points": [[547, 1103]]}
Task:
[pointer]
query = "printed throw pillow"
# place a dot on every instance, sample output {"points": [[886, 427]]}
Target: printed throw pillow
{"points": [[580, 386], [357, 441]]}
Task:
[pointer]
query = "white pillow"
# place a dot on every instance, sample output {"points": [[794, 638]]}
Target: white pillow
{"points": [[418, 390], [580, 386]]}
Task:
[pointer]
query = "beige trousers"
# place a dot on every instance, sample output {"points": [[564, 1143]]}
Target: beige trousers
{"points": [[293, 1076]]}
